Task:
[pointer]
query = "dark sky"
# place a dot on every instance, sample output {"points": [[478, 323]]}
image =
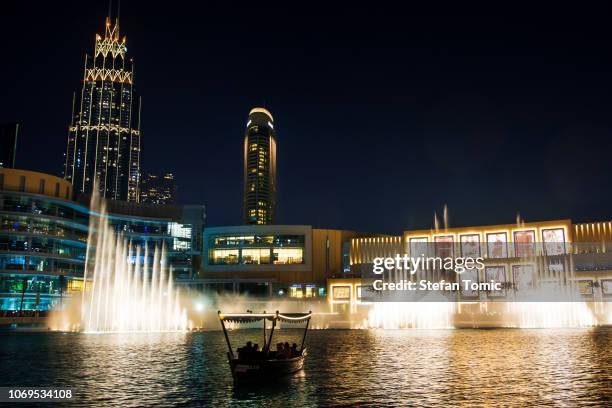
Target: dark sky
{"points": [[383, 115]]}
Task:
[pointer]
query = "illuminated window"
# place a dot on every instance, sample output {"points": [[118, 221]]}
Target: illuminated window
{"points": [[224, 256], [295, 291], [288, 255], [256, 256], [179, 230], [341, 292], [310, 291]]}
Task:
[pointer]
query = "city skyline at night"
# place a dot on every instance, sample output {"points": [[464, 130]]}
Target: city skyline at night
{"points": [[283, 204], [420, 103]]}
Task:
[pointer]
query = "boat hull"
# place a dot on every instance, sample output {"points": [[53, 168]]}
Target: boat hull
{"points": [[263, 370]]}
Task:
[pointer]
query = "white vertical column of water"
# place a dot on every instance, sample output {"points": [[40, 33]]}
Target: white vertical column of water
{"points": [[124, 291]]}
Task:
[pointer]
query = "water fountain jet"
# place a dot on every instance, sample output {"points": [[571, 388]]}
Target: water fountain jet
{"points": [[124, 291]]}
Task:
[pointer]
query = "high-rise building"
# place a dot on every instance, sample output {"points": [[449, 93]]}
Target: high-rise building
{"points": [[104, 139], [259, 168], [9, 133], [158, 189]]}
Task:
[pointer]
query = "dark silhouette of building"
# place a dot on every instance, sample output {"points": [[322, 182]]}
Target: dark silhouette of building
{"points": [[158, 189], [259, 168], [9, 134], [104, 139]]}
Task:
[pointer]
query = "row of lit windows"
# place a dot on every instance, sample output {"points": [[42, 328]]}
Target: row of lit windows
{"points": [[256, 240], [257, 256]]}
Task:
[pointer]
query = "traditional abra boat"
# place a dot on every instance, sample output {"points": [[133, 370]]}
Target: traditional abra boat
{"points": [[260, 365]]}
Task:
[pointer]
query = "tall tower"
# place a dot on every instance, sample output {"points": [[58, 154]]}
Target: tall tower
{"points": [[104, 139], [259, 168]]}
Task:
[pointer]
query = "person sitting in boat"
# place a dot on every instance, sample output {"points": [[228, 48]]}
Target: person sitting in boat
{"points": [[245, 352], [294, 350], [280, 351]]}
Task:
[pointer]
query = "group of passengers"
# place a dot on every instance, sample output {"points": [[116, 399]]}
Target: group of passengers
{"points": [[249, 351], [283, 351]]}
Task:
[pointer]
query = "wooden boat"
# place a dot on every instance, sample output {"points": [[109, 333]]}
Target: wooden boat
{"points": [[253, 366]]}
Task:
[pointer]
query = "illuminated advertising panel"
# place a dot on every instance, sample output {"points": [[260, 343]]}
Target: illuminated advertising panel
{"points": [[524, 244], [497, 245], [470, 245], [554, 241]]}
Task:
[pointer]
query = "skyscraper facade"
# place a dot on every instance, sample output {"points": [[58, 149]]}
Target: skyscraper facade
{"points": [[9, 134], [104, 139], [158, 189], [259, 168]]}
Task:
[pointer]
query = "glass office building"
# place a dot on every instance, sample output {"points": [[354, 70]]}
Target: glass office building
{"points": [[43, 238], [158, 189]]}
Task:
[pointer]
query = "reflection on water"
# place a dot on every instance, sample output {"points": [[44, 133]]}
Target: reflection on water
{"points": [[368, 367]]}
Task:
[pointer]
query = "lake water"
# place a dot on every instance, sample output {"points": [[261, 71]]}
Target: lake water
{"points": [[344, 367]]}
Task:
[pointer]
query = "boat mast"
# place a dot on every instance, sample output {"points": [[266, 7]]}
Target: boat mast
{"points": [[271, 332], [229, 345], [305, 331], [264, 321]]}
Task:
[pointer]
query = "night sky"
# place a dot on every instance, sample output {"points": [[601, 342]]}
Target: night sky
{"points": [[382, 115]]}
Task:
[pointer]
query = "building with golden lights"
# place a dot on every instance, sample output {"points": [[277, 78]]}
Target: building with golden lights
{"points": [[292, 261], [521, 255], [104, 140], [259, 168]]}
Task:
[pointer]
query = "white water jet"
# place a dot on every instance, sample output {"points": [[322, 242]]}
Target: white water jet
{"points": [[540, 315], [123, 291], [411, 315]]}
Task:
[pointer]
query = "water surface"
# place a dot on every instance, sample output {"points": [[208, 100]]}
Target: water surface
{"points": [[344, 367]]}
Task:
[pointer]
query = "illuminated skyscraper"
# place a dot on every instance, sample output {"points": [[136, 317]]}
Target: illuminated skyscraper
{"points": [[259, 168], [104, 139], [158, 189]]}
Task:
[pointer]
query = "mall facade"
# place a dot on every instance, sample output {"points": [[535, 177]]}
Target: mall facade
{"points": [[293, 261], [522, 256], [44, 230]]}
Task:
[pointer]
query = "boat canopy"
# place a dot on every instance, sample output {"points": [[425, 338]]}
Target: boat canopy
{"points": [[255, 317]]}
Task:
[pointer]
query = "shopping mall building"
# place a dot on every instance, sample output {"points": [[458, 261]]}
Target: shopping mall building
{"points": [[44, 230], [522, 256], [302, 262], [293, 261]]}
